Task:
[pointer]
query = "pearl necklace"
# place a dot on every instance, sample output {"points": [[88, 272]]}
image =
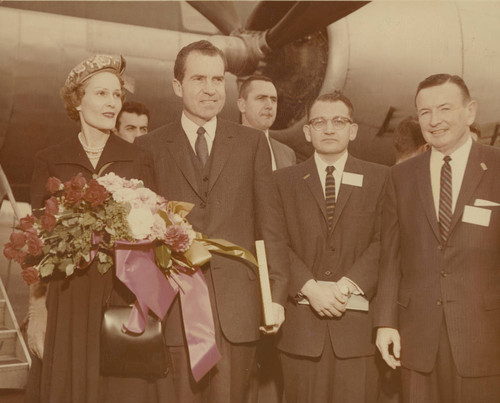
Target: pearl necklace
{"points": [[92, 152]]}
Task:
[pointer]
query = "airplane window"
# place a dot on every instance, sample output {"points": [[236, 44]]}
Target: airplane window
{"points": [[195, 22]]}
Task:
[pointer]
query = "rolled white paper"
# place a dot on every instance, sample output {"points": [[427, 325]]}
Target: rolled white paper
{"points": [[265, 287]]}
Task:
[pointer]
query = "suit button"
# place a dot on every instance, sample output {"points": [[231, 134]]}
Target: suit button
{"points": [[443, 273], [203, 205], [439, 302], [440, 247], [328, 273], [205, 178]]}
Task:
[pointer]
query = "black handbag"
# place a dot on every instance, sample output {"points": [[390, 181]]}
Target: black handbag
{"points": [[126, 354]]}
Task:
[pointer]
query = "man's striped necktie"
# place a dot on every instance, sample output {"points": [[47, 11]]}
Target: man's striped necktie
{"points": [[330, 195], [445, 199]]}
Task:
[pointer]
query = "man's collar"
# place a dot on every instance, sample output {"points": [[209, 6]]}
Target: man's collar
{"points": [[189, 126], [339, 164]]}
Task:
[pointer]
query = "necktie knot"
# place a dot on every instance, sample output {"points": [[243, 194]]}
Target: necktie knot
{"points": [[330, 169], [201, 131], [446, 159]]}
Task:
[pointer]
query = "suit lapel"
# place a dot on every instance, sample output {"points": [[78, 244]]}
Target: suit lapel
{"points": [[472, 176], [74, 154], [423, 179], [221, 151], [311, 178], [175, 142], [114, 150], [276, 151], [345, 191]]}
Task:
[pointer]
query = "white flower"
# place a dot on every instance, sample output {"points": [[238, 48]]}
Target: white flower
{"points": [[159, 228], [141, 221], [125, 195]]}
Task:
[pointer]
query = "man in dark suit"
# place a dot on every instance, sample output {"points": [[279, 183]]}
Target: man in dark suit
{"points": [[258, 104], [439, 291], [224, 169], [332, 204]]}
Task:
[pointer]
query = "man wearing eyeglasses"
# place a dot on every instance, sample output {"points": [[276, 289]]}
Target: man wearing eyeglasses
{"points": [[332, 207]]}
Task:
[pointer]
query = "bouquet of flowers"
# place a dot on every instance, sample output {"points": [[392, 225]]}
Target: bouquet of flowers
{"points": [[115, 221], [82, 221]]}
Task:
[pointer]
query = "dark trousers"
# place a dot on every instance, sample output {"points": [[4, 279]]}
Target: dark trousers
{"points": [[444, 384], [328, 378], [229, 381]]}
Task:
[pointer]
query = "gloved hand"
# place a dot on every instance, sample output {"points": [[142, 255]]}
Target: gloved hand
{"points": [[37, 319]]}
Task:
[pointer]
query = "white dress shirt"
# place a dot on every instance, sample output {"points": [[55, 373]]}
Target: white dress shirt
{"points": [[458, 163], [273, 160], [337, 173], [191, 128]]}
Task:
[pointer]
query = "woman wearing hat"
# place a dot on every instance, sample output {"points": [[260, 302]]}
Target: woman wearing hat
{"points": [[69, 369]]}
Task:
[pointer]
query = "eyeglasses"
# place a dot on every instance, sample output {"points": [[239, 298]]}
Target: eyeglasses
{"points": [[338, 123]]}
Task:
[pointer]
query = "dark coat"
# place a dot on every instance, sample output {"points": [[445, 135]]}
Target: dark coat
{"points": [[422, 280], [350, 249], [70, 371], [234, 198]]}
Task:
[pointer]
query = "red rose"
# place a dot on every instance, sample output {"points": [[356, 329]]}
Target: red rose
{"points": [[35, 244], [53, 185], [30, 275], [95, 193], [78, 182], [52, 206], [27, 222], [48, 222], [8, 251], [14, 254], [18, 239], [20, 256], [73, 196]]}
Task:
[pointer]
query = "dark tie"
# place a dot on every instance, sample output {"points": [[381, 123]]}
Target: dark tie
{"points": [[445, 199], [201, 146], [330, 194]]}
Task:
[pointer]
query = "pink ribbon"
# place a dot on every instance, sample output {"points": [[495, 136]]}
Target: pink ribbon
{"points": [[198, 323], [136, 268]]}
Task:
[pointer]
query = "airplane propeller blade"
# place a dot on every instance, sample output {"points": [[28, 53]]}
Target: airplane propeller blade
{"points": [[266, 14], [307, 17], [220, 13]]}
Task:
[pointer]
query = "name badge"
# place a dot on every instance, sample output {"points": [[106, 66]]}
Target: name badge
{"points": [[348, 178], [477, 216]]}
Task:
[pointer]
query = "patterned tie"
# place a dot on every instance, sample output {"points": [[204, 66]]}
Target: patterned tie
{"points": [[330, 195], [445, 199], [201, 146]]}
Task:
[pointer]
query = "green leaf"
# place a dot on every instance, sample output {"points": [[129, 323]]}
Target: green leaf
{"points": [[61, 247], [103, 257], [88, 220], [70, 268], [110, 230], [163, 256], [104, 267], [46, 270], [165, 217]]}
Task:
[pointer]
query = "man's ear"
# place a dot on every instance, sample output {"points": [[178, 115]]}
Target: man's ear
{"points": [[353, 131], [177, 86], [241, 105], [307, 132], [471, 112]]}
